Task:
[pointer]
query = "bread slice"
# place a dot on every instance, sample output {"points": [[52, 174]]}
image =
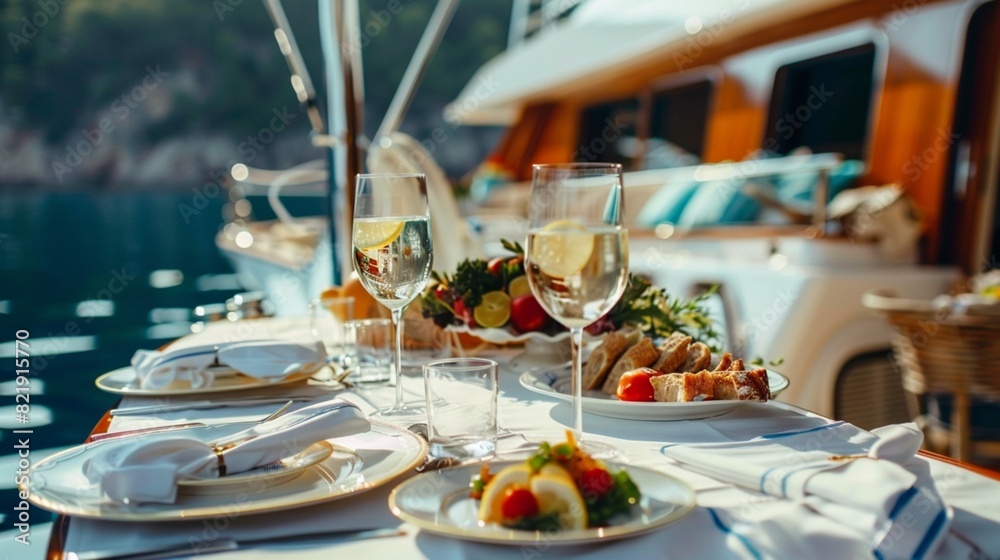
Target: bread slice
{"points": [[724, 363], [640, 355], [749, 385], [712, 385], [668, 387], [699, 357], [673, 353], [604, 357], [682, 387]]}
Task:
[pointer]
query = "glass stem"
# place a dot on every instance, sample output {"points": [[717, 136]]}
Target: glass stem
{"points": [[397, 328], [576, 344]]}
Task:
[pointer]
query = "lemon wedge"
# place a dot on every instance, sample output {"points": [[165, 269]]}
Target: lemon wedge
{"points": [[557, 494], [562, 248], [493, 311], [490, 508], [519, 287], [375, 234]]}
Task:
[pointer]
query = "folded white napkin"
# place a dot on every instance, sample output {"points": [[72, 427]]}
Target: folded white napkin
{"points": [[147, 469], [845, 491], [270, 360]]}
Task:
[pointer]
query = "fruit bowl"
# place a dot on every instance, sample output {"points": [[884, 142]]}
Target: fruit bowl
{"points": [[508, 336], [540, 348]]}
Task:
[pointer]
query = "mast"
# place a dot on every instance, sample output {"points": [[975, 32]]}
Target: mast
{"points": [[345, 92], [407, 89]]}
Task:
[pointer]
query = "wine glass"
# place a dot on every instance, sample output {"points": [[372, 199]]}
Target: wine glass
{"points": [[577, 253], [392, 253]]}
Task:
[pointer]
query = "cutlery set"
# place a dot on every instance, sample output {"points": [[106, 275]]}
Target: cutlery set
{"points": [[203, 405], [225, 545]]}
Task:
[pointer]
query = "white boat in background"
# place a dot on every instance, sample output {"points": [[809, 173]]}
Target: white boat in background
{"points": [[799, 96], [709, 100]]}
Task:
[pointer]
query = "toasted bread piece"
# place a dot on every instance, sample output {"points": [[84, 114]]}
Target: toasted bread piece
{"points": [[673, 352], [668, 387], [699, 357], [604, 357], [712, 385], [749, 385], [683, 387], [724, 362], [737, 365], [640, 355]]}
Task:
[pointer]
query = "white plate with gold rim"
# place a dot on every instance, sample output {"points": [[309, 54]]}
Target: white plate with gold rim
{"points": [[439, 503], [122, 381], [358, 463], [556, 382]]}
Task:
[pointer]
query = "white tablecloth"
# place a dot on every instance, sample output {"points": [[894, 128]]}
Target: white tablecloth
{"points": [[974, 498]]}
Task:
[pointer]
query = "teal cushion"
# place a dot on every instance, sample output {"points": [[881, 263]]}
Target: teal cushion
{"points": [[719, 202], [797, 190], [666, 205]]}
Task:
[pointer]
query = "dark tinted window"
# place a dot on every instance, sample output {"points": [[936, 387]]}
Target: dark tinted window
{"points": [[608, 132], [823, 103], [678, 117]]}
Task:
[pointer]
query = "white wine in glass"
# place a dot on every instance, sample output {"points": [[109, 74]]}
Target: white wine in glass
{"points": [[577, 254], [392, 253]]}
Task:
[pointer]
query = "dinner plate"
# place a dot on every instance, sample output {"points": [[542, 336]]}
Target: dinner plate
{"points": [[358, 463], [556, 382], [122, 382], [439, 502], [272, 473]]}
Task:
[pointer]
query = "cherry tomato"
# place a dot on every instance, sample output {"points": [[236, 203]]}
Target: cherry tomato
{"points": [[519, 502], [595, 483], [635, 386]]}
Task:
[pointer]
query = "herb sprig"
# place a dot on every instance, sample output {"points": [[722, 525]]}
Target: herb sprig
{"points": [[659, 314]]}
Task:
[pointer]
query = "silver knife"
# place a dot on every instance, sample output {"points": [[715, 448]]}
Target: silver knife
{"points": [[201, 405], [223, 545], [139, 431]]}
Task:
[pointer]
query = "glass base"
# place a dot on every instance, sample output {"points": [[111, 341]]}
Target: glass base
{"points": [[600, 450], [473, 449], [530, 443], [397, 412]]}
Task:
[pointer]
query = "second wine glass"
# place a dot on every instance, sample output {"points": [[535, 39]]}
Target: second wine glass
{"points": [[392, 253], [577, 254]]}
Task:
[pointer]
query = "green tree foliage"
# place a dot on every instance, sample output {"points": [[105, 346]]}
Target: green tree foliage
{"points": [[227, 73]]}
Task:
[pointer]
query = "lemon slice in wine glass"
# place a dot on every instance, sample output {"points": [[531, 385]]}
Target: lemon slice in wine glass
{"points": [[562, 248], [370, 235]]}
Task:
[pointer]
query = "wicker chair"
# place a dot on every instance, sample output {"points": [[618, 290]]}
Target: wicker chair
{"points": [[944, 353]]}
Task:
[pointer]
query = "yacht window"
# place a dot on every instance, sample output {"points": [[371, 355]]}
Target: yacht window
{"points": [[678, 117], [609, 132], [823, 104]]}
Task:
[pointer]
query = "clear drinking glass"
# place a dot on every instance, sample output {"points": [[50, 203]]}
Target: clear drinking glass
{"points": [[461, 398], [392, 253], [577, 253]]}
